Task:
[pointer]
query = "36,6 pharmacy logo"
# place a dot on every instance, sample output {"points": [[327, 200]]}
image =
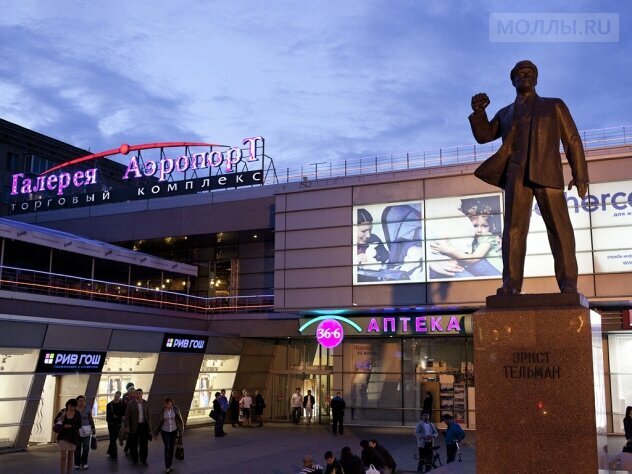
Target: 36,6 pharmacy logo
{"points": [[70, 361], [329, 332]]}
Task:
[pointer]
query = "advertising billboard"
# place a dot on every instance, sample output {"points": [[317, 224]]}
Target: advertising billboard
{"points": [[388, 243], [459, 237]]}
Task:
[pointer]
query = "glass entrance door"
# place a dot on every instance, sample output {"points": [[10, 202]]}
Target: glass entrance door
{"points": [[284, 385]]}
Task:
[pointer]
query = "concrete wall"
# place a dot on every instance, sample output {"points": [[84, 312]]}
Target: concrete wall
{"points": [[314, 239]]}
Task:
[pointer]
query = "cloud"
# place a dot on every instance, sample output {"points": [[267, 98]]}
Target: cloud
{"points": [[320, 80]]}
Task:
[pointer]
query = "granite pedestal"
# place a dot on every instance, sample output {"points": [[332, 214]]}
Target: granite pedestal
{"points": [[540, 398]]}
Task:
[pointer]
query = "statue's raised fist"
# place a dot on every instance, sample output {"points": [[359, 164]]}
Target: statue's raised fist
{"points": [[480, 102]]}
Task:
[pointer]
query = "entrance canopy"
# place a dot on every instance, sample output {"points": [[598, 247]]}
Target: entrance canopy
{"points": [[73, 243]]}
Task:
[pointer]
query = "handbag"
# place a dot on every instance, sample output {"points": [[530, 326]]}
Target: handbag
{"points": [[59, 421], [372, 470], [93, 442], [179, 454], [213, 415]]}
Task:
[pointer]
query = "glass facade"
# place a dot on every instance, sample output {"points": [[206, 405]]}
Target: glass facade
{"points": [[229, 263], [120, 369], [216, 373], [16, 375], [385, 380]]}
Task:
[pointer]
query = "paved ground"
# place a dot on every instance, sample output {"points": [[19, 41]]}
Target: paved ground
{"points": [[273, 449]]}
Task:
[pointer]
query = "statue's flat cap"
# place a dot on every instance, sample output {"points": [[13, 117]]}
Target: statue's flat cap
{"points": [[521, 65]]}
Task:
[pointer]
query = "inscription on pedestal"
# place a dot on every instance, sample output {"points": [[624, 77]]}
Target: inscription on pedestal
{"points": [[539, 368], [531, 365]]}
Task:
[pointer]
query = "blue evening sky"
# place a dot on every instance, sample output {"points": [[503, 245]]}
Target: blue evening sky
{"points": [[321, 80]]}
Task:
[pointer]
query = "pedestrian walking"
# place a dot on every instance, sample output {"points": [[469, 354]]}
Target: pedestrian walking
{"points": [[67, 424], [86, 431], [114, 414], [308, 405], [128, 397], [296, 402], [138, 427], [170, 426]]}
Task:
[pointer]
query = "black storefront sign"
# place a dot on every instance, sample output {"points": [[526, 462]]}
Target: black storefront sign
{"points": [[184, 343], [149, 191], [57, 361]]}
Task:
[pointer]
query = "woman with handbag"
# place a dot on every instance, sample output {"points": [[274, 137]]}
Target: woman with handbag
{"points": [[67, 423], [86, 431], [170, 426]]}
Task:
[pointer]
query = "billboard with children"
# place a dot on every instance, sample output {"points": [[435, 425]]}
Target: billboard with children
{"points": [[463, 237], [460, 237]]}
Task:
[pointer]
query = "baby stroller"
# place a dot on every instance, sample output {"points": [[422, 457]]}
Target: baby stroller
{"points": [[402, 230]]}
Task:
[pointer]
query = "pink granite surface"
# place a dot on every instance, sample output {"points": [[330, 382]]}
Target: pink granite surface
{"points": [[538, 408]]}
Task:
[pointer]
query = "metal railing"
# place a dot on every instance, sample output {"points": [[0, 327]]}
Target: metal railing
{"points": [[67, 286], [598, 138]]}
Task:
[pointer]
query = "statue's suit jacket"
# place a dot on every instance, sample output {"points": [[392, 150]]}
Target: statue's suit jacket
{"points": [[550, 122]]}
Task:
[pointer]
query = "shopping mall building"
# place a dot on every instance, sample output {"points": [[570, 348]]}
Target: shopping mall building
{"points": [[196, 267]]}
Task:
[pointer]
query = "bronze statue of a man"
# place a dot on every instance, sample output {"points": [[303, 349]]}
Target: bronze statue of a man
{"points": [[529, 164]]}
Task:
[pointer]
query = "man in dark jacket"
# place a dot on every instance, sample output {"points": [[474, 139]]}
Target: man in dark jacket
{"points": [[218, 417], [337, 405], [371, 456], [138, 427], [529, 164], [391, 465], [308, 404], [114, 413]]}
